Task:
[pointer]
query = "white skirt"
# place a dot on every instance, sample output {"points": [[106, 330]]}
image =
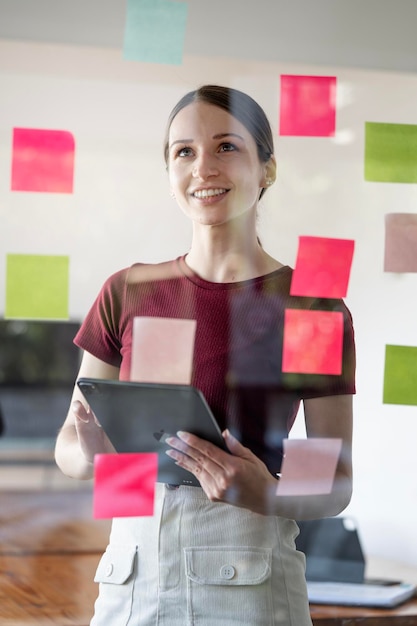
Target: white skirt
{"points": [[199, 563]]}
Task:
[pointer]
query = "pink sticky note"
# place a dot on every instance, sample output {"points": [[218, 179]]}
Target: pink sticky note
{"points": [[322, 268], [313, 342], [309, 466], [308, 106], [163, 350], [124, 484], [400, 242], [42, 160]]}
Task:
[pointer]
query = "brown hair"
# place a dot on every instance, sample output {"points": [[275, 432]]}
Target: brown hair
{"points": [[237, 103]]}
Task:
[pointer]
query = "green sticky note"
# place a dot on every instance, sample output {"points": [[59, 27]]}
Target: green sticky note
{"points": [[37, 286], [155, 31], [391, 152], [400, 377]]}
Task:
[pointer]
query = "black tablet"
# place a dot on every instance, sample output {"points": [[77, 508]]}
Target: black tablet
{"points": [[137, 417]]}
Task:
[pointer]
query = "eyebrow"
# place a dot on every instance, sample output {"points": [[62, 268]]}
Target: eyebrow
{"points": [[218, 136]]}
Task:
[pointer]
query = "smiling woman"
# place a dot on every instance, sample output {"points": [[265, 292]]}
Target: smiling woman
{"points": [[224, 552]]}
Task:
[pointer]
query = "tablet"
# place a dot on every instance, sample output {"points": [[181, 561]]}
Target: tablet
{"points": [[137, 417]]}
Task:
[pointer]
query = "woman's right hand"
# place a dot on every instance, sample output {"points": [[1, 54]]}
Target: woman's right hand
{"points": [[92, 438], [81, 436]]}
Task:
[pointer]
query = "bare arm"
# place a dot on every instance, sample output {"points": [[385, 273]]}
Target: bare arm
{"points": [[243, 479], [329, 417], [80, 437]]}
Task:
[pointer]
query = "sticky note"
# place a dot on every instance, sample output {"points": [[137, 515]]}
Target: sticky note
{"points": [[390, 152], [37, 286], [42, 160], [307, 106], [400, 375], [400, 253], [313, 342], [309, 466], [124, 484], [155, 31], [163, 350], [322, 267]]}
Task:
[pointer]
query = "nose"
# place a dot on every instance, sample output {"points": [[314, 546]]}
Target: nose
{"points": [[205, 166]]}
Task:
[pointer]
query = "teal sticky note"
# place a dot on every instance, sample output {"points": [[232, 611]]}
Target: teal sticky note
{"points": [[37, 286], [400, 376], [390, 152], [154, 31]]}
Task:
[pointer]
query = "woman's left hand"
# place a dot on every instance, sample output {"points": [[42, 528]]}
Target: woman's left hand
{"points": [[239, 478]]}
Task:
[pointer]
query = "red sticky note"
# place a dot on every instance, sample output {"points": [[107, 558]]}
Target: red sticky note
{"points": [[42, 160], [308, 106], [308, 466], [124, 484], [322, 268], [313, 342], [163, 350]]}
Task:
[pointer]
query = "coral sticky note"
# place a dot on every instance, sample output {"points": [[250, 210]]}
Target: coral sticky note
{"points": [[313, 342], [155, 31], [309, 466], [390, 152], [307, 106], [37, 286], [163, 350], [400, 375], [42, 160], [400, 242], [322, 267], [124, 484]]}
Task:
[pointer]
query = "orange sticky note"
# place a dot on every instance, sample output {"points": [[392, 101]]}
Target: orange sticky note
{"points": [[322, 267], [124, 484], [307, 106], [313, 342], [163, 350], [309, 466], [42, 160]]}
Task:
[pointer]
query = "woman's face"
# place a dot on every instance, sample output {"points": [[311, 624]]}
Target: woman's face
{"points": [[213, 165]]}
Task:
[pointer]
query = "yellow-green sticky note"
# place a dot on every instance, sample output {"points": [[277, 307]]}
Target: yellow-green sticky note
{"points": [[400, 376], [390, 152], [155, 31], [37, 286]]}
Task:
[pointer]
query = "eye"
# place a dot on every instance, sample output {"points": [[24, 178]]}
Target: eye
{"points": [[228, 147], [184, 152]]}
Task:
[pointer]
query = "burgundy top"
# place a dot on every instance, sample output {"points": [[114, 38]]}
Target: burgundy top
{"points": [[238, 344]]}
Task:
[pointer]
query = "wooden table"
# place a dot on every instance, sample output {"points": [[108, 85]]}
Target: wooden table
{"points": [[403, 615], [47, 589], [50, 546]]}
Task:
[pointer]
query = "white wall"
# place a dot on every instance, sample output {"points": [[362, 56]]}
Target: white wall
{"points": [[121, 212]]}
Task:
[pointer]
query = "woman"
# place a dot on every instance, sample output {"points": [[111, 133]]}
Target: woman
{"points": [[225, 553]]}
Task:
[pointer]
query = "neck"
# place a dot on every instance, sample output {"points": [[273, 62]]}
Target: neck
{"points": [[226, 260]]}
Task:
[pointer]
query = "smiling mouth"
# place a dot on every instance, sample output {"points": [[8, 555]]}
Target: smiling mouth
{"points": [[209, 193]]}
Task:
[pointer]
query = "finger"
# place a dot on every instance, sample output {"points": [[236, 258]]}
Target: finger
{"points": [[183, 460], [84, 414], [204, 466], [206, 479], [80, 412], [204, 453], [234, 446], [202, 445]]}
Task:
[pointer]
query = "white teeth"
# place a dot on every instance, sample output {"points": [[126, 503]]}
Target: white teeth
{"points": [[206, 193]]}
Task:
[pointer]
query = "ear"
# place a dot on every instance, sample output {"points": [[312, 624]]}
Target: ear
{"points": [[270, 172]]}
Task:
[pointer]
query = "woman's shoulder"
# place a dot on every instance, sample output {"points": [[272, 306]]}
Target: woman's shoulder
{"points": [[143, 272], [151, 272]]}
